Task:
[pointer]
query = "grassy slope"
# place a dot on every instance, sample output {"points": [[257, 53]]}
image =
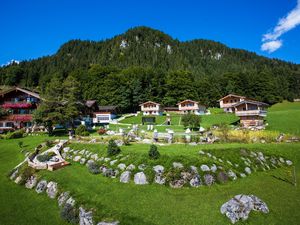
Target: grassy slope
{"points": [[17, 205], [151, 204], [285, 117], [216, 117]]}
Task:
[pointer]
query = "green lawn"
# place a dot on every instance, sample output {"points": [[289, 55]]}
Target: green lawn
{"points": [[284, 117], [217, 117], [151, 204]]}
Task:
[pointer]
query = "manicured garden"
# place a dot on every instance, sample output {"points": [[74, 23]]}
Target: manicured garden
{"points": [[134, 204], [160, 204]]}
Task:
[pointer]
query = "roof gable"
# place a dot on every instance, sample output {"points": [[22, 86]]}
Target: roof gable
{"points": [[149, 102], [34, 94], [232, 95]]}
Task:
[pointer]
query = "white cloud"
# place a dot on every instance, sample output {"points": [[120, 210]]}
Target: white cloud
{"points": [[271, 46], [270, 40]]}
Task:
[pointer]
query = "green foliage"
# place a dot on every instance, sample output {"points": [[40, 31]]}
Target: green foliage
{"points": [[20, 144], [15, 134], [81, 131], [94, 168], [25, 172], [153, 152], [191, 120], [70, 214], [113, 148], [45, 157], [224, 129], [147, 69]]}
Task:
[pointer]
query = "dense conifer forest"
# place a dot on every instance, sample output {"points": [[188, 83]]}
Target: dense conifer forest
{"points": [[146, 64]]}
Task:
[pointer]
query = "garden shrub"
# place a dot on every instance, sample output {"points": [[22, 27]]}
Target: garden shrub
{"points": [[48, 143], [94, 168], [26, 172], [101, 131], [70, 214], [81, 131], [153, 152], [209, 179], [222, 177], [15, 134], [191, 120], [113, 148]]}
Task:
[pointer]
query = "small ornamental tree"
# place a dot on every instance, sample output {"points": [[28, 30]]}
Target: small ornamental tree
{"points": [[113, 148], [81, 131], [153, 152], [191, 120]]}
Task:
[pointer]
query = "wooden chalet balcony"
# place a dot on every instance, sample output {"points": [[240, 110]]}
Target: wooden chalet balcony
{"points": [[16, 105], [257, 112], [145, 109], [189, 108]]}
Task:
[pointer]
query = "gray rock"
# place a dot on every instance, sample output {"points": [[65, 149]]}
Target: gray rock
{"points": [[85, 217], [113, 162], [240, 206], [248, 170], [232, 175], [106, 159], [41, 186], [90, 161], [209, 179], [31, 182], [66, 149], [130, 167], [142, 167], [140, 178], [289, 162], [122, 166], [158, 169], [109, 173], [52, 189], [159, 179], [77, 158], [108, 223], [196, 181], [204, 168], [82, 152], [177, 165], [194, 169], [201, 152], [70, 201], [64, 155], [242, 175], [213, 168], [94, 156], [82, 161], [125, 177], [18, 179], [13, 176], [177, 183], [62, 198]]}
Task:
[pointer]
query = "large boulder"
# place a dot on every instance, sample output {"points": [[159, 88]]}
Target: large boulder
{"points": [[195, 181], [71, 201], [85, 217], [82, 161], [204, 168], [209, 179], [130, 167], [140, 178], [122, 166], [108, 223], [77, 158], [241, 205], [159, 179], [158, 169], [52, 189], [62, 198], [177, 165], [41, 186], [31, 182], [125, 177]]}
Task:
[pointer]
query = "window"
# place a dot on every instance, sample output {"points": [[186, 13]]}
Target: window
{"points": [[1, 124], [9, 124]]}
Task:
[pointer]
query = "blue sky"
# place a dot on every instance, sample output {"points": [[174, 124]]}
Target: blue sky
{"points": [[34, 28]]}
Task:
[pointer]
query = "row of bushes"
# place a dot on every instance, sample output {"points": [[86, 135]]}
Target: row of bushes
{"points": [[13, 135]]}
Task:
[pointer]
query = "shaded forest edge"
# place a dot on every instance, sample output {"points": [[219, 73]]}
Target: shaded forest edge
{"points": [[146, 64]]}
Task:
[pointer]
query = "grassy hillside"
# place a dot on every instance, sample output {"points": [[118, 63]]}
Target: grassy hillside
{"points": [[284, 117], [132, 204]]}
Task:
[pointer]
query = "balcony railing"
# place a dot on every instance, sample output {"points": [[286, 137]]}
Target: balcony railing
{"points": [[251, 113], [17, 105]]}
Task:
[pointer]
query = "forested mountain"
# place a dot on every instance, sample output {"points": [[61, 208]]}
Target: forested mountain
{"points": [[146, 64]]}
